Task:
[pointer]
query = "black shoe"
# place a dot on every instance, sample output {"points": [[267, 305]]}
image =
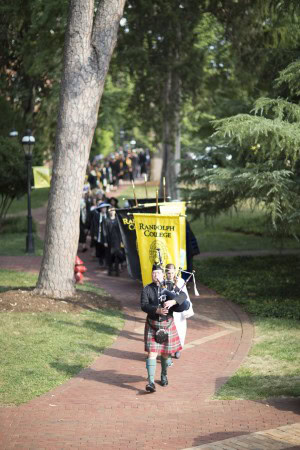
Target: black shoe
{"points": [[164, 381], [150, 387], [177, 355]]}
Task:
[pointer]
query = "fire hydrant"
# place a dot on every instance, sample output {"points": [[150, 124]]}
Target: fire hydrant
{"points": [[79, 270]]}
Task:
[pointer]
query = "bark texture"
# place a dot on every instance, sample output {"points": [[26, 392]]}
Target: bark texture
{"points": [[89, 43], [171, 134]]}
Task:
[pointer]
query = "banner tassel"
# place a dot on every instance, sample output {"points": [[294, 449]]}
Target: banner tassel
{"points": [[195, 287]]}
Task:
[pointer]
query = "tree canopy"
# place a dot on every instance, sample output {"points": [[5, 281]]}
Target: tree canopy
{"points": [[260, 161]]}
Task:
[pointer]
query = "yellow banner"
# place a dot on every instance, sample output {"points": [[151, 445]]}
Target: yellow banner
{"points": [[42, 177], [178, 208], [159, 233], [182, 223]]}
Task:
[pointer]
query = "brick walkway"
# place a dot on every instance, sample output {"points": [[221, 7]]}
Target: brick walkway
{"points": [[105, 406], [279, 438]]}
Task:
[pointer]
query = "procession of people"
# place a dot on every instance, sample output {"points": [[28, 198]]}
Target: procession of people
{"points": [[97, 216], [165, 300]]}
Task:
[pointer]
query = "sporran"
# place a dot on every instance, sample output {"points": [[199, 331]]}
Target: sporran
{"points": [[161, 336]]}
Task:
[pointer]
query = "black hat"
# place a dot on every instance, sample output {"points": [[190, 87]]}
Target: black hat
{"points": [[156, 267], [113, 199]]}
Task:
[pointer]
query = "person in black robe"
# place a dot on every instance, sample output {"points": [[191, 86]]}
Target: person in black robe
{"points": [[113, 242], [98, 217]]}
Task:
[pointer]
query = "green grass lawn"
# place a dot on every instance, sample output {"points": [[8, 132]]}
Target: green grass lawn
{"points": [[43, 350], [140, 192], [269, 289], [39, 197], [13, 237], [14, 229], [234, 232]]}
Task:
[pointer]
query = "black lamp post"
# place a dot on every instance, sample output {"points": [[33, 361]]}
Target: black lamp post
{"points": [[28, 142]]}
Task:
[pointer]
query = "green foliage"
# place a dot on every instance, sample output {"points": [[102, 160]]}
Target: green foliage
{"points": [[264, 165], [32, 35], [264, 286], [103, 142], [158, 39], [290, 76], [12, 174], [9, 118]]}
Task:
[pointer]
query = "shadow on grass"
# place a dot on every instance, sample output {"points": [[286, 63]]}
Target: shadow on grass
{"points": [[89, 324], [101, 328], [67, 369], [15, 288]]}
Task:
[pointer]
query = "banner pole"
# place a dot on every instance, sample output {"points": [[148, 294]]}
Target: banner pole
{"points": [[136, 202], [164, 185], [156, 201], [145, 175]]}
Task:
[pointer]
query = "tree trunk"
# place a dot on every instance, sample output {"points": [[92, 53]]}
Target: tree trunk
{"points": [[177, 135], [90, 39], [171, 134]]}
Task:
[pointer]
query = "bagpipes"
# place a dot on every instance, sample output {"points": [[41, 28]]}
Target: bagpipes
{"points": [[162, 286], [191, 274]]}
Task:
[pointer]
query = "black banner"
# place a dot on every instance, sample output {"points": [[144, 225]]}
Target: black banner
{"points": [[127, 228]]}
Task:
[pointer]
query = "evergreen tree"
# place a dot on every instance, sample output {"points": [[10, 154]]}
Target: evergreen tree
{"points": [[264, 167]]}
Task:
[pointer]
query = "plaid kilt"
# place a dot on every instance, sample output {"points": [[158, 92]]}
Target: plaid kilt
{"points": [[172, 345]]}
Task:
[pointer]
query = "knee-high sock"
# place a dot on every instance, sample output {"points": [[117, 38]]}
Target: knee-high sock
{"points": [[170, 362], [151, 367], [164, 366]]}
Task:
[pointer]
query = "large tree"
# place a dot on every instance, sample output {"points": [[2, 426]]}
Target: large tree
{"points": [[166, 49], [264, 163], [90, 39], [158, 49]]}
